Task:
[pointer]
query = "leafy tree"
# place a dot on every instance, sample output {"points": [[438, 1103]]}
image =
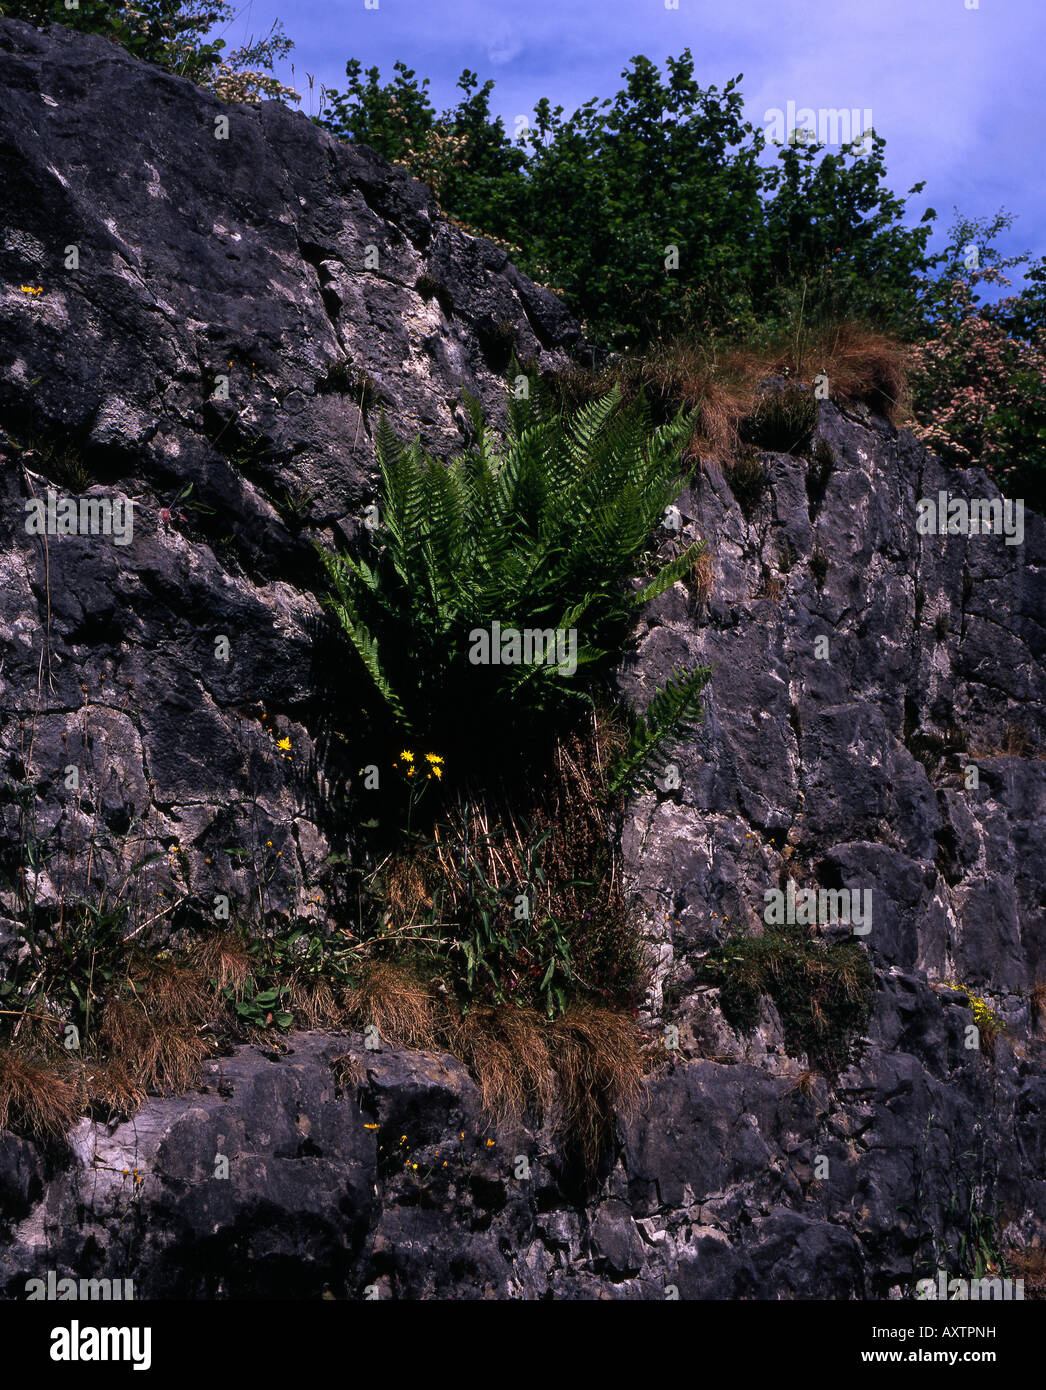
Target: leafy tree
{"points": [[595, 202], [613, 188], [464, 155], [836, 240]]}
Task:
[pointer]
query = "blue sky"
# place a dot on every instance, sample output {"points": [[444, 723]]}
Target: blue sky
{"points": [[953, 85]]}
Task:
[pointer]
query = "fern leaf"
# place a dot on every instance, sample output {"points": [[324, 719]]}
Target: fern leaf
{"points": [[673, 711], [341, 605], [668, 574]]}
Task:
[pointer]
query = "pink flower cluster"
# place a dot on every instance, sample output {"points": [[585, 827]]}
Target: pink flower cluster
{"points": [[972, 381]]}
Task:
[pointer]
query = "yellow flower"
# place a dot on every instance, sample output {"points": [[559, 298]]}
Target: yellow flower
{"points": [[30, 289], [370, 1126], [407, 756], [437, 772], [490, 1143], [410, 772], [284, 743], [433, 758]]}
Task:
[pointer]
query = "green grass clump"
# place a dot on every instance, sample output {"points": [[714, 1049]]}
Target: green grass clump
{"points": [[822, 991]]}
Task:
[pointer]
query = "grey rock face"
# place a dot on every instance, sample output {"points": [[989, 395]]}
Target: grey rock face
{"points": [[277, 266], [289, 264]]}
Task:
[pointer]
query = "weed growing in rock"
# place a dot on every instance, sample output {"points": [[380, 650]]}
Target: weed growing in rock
{"points": [[989, 1024], [782, 420], [748, 480], [822, 992]]}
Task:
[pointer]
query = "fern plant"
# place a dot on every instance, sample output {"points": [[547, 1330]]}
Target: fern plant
{"points": [[543, 534], [673, 711]]}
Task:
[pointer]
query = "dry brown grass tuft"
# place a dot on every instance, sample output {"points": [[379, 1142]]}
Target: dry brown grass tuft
{"points": [[702, 577], [169, 991], [111, 1086], [162, 1053], [37, 1096], [408, 888], [507, 1050], [396, 1003], [600, 1062], [860, 364], [580, 1071], [1038, 1003], [349, 1071], [805, 1083], [772, 589], [222, 957], [724, 384], [314, 1003], [1029, 1265]]}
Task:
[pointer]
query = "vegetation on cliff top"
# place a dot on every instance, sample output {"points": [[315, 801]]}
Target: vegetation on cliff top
{"points": [[665, 227]]}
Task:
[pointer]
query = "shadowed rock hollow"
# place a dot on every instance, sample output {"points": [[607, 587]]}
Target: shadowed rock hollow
{"points": [[317, 283]]}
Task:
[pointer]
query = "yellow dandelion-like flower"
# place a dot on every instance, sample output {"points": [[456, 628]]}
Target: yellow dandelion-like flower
{"points": [[284, 743], [370, 1126], [407, 756], [437, 772], [433, 758], [269, 843], [410, 772], [490, 1143], [414, 1165]]}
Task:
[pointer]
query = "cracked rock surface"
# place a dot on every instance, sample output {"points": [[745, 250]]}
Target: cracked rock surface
{"points": [[239, 313]]}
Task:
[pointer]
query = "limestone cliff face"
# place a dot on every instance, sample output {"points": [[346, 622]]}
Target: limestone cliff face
{"points": [[234, 315]]}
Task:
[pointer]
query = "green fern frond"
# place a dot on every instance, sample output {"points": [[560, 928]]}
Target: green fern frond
{"points": [[674, 711], [670, 573], [340, 603]]}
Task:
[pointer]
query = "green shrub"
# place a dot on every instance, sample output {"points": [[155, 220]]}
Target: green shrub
{"points": [[592, 203], [979, 373]]}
